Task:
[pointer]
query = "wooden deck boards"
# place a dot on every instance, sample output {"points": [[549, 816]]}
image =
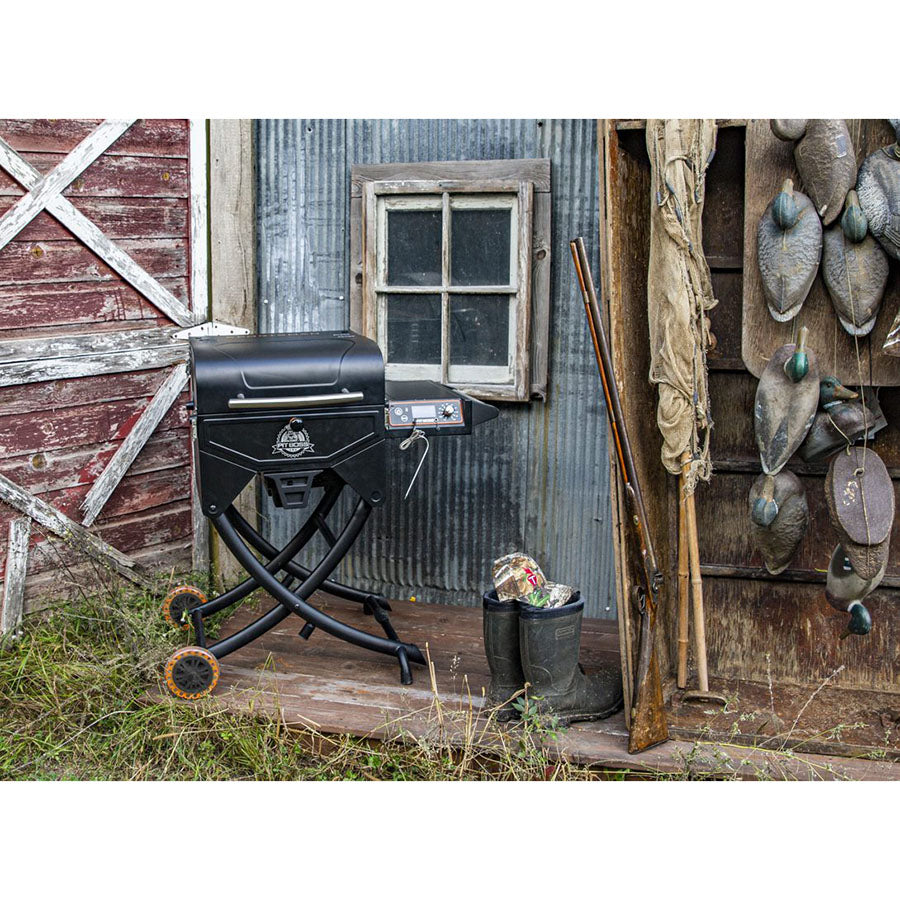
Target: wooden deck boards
{"points": [[337, 688]]}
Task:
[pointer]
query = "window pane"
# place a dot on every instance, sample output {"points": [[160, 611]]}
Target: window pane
{"points": [[479, 330], [414, 328], [414, 247], [479, 248]]}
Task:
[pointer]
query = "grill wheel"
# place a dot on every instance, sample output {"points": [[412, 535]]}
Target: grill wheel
{"points": [[191, 673], [178, 601]]}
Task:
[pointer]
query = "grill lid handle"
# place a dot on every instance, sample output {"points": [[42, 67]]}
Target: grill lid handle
{"points": [[294, 402]]}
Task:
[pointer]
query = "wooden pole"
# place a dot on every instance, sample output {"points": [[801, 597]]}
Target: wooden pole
{"points": [[696, 593], [683, 575]]}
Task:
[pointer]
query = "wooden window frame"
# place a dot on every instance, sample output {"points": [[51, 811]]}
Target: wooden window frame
{"points": [[447, 184]]}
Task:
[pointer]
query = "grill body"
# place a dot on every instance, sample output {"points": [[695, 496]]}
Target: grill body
{"points": [[288, 407]]}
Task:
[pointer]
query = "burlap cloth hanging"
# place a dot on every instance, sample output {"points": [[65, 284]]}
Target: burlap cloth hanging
{"points": [[679, 290]]}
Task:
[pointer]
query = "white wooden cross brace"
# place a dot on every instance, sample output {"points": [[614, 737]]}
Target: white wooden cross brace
{"points": [[71, 532], [116, 468], [45, 192]]}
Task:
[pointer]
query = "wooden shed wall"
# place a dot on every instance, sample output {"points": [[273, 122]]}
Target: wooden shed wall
{"points": [[57, 436], [758, 626]]}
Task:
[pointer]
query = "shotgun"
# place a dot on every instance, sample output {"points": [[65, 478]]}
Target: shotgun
{"points": [[648, 718]]}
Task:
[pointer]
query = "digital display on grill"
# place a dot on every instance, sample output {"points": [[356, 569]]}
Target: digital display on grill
{"points": [[424, 412]]}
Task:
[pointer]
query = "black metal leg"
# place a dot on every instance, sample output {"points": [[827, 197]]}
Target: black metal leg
{"points": [[296, 601], [263, 547], [278, 558]]}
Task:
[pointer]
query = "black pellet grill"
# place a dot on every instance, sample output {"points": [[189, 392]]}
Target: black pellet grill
{"points": [[302, 411]]}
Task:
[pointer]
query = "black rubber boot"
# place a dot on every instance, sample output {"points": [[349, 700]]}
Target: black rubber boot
{"points": [[501, 646], [549, 642]]}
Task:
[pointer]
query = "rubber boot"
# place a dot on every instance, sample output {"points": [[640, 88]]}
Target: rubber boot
{"points": [[501, 646], [549, 642]]}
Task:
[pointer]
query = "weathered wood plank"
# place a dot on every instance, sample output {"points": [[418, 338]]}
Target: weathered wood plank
{"points": [[71, 532], [41, 192], [26, 361], [55, 261], [536, 171], [118, 218], [768, 162], [78, 426], [112, 176], [69, 392], [61, 346], [13, 600], [39, 306], [146, 137], [67, 468], [111, 476], [232, 263]]}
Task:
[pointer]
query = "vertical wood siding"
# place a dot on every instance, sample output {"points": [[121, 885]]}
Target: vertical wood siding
{"points": [[57, 436], [536, 478]]}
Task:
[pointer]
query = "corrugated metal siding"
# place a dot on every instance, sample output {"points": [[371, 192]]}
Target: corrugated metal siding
{"points": [[537, 477]]}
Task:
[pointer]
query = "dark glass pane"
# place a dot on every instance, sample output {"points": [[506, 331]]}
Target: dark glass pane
{"points": [[414, 328], [479, 330], [479, 248], [414, 247]]}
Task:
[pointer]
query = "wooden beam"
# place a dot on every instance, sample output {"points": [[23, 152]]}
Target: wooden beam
{"points": [[109, 478], [71, 532], [47, 359], [28, 207], [199, 158], [232, 269], [82, 227], [13, 601]]}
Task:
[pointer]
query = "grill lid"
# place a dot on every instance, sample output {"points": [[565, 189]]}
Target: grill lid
{"points": [[246, 372]]}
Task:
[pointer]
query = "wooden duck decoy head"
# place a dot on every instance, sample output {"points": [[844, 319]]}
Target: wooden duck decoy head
{"points": [[878, 188], [845, 590], [855, 270], [825, 159], [788, 249], [779, 516], [831, 391], [860, 498], [786, 401]]}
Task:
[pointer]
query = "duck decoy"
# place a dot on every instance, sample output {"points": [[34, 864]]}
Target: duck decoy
{"points": [[878, 187], [860, 498], [779, 515], [855, 269], [825, 159], [845, 590], [789, 246], [786, 401], [842, 419]]}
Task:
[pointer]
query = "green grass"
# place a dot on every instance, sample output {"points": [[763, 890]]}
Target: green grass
{"points": [[74, 705]]}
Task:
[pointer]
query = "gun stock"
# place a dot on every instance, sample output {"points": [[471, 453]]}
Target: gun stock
{"points": [[648, 719]]}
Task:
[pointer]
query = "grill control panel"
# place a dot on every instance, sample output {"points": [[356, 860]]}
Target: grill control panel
{"points": [[425, 413]]}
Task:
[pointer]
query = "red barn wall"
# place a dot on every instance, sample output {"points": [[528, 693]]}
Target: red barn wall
{"points": [[57, 436]]}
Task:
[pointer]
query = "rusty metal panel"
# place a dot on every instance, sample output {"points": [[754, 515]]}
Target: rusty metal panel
{"points": [[536, 478]]}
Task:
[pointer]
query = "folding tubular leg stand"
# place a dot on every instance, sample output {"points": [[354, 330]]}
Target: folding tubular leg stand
{"points": [[193, 672]]}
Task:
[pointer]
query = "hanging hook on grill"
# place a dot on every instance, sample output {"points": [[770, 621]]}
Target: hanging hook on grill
{"points": [[405, 444]]}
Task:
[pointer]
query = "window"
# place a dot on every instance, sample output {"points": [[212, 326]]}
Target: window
{"points": [[447, 273]]}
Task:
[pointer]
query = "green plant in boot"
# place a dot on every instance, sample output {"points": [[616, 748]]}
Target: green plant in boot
{"points": [[501, 646], [549, 644]]}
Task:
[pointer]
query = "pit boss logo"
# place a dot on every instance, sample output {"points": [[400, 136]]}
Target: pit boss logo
{"points": [[293, 441]]}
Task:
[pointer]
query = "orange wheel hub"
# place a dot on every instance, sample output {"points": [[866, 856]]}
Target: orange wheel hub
{"points": [[191, 673], [178, 601]]}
